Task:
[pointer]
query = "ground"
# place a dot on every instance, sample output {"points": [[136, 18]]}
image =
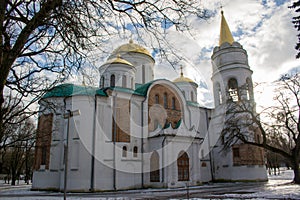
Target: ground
{"points": [[278, 187]]}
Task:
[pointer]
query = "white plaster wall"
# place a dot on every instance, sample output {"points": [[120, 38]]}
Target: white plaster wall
{"points": [[138, 60], [45, 180]]}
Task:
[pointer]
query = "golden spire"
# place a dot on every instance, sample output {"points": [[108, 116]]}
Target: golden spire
{"points": [[225, 33]]}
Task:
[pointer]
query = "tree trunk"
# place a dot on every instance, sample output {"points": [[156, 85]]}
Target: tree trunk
{"points": [[296, 173], [13, 179]]}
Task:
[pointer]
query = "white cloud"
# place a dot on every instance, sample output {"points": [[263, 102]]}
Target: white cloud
{"points": [[263, 28]]}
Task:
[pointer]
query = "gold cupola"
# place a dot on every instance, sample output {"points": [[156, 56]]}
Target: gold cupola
{"points": [[183, 79], [130, 47]]}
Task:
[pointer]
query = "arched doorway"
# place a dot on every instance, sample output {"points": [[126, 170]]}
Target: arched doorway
{"points": [[154, 167], [183, 167]]}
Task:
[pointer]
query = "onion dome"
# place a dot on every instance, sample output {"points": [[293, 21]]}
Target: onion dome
{"points": [[183, 78], [130, 47], [118, 60]]}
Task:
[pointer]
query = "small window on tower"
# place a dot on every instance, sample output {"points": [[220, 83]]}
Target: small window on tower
{"points": [[124, 81], [233, 89], [112, 80], [102, 82], [135, 151], [124, 151], [192, 96]]}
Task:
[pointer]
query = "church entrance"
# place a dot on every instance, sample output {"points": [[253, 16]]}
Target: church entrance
{"points": [[183, 167]]}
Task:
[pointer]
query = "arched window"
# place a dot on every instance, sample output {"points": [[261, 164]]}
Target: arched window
{"points": [[154, 167], [165, 100], [124, 80], [157, 99], [173, 103], [192, 96], [219, 98], [124, 151], [143, 74], [233, 89], [249, 89], [112, 80], [132, 83], [135, 151], [183, 167], [102, 82], [44, 155]]}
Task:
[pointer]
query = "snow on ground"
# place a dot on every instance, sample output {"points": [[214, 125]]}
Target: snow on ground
{"points": [[278, 187]]}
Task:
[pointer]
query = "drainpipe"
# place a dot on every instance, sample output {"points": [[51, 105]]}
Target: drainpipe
{"points": [[142, 143], [210, 153], [162, 160], [65, 108], [92, 184], [114, 142]]}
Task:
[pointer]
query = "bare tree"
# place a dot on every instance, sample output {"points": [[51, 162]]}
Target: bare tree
{"points": [[275, 129], [42, 42], [16, 151]]}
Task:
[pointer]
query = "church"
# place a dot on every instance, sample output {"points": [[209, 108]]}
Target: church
{"points": [[134, 131]]}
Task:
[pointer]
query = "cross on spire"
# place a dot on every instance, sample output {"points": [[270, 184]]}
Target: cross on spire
{"points": [[181, 70]]}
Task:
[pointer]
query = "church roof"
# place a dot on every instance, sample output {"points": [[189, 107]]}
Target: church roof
{"points": [[143, 88], [225, 33], [67, 90], [118, 60], [131, 47], [183, 79]]}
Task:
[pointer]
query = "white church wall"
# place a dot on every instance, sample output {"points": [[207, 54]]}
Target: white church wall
{"points": [[45, 180], [144, 65]]}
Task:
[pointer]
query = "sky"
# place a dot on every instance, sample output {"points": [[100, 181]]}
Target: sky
{"points": [[263, 27]]}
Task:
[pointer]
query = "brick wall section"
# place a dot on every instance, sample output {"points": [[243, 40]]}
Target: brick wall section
{"points": [[158, 112], [43, 141], [248, 155], [122, 119]]}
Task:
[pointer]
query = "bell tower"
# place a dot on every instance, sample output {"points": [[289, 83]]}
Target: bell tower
{"points": [[232, 85], [231, 75]]}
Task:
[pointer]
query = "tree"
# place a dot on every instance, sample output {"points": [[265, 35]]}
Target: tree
{"points": [[17, 150], [276, 128], [43, 42], [296, 22]]}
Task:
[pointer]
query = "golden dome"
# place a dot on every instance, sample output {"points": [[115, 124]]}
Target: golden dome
{"points": [[118, 60], [131, 47], [182, 78]]}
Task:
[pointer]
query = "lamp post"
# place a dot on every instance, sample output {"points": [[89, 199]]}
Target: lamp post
{"points": [[67, 115]]}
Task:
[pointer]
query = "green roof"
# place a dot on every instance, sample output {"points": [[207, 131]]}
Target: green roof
{"points": [[192, 103], [121, 89], [142, 89], [67, 90]]}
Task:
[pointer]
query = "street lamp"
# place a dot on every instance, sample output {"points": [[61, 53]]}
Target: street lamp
{"points": [[67, 115]]}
